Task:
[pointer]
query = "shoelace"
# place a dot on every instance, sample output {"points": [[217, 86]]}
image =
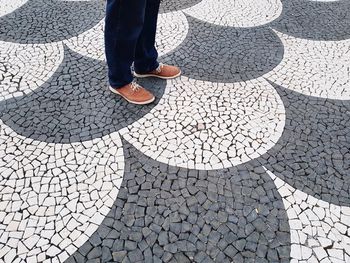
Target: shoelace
{"points": [[135, 87], [160, 67]]}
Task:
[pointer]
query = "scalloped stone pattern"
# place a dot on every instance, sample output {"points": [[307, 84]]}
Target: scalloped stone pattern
{"points": [[319, 230], [314, 68], [239, 13], [54, 196], [194, 129], [244, 158], [9, 6], [24, 68]]}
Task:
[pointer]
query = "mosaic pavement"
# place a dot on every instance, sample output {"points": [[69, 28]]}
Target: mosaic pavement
{"points": [[245, 158]]}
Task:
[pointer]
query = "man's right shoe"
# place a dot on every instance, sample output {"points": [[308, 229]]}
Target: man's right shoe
{"points": [[134, 93]]}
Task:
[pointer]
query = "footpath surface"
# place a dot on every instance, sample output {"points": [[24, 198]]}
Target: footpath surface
{"points": [[244, 158]]}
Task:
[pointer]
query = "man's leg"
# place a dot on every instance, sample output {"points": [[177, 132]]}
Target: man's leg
{"points": [[146, 55], [124, 24]]}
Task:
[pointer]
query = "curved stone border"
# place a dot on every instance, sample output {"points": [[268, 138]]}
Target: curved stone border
{"points": [[226, 54], [319, 230], [25, 67], [238, 13], [315, 20], [75, 104], [168, 6], [314, 68], [10, 6], [40, 22], [54, 196], [204, 125], [312, 154], [169, 214], [90, 43], [171, 32]]}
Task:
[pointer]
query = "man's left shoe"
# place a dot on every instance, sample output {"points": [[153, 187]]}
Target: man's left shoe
{"points": [[163, 72]]}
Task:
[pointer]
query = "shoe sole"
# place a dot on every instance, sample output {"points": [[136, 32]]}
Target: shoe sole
{"points": [[133, 102], [155, 76]]}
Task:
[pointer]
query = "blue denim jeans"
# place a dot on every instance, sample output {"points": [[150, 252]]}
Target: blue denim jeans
{"points": [[130, 33]]}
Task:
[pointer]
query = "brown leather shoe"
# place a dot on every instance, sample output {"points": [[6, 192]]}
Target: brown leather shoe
{"points": [[163, 72], [134, 93]]}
